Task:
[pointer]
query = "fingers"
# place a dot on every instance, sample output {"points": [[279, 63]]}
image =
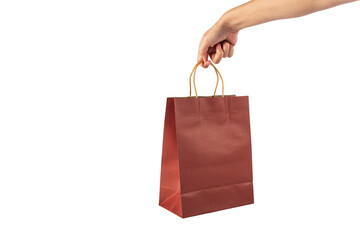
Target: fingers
{"points": [[218, 55], [222, 50], [231, 51], [226, 48]]}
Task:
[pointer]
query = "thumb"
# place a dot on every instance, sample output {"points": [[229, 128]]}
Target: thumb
{"points": [[203, 53]]}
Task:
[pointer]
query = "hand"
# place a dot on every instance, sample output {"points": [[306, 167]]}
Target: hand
{"points": [[218, 42]]}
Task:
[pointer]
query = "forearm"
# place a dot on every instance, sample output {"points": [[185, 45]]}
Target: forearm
{"points": [[260, 11]]}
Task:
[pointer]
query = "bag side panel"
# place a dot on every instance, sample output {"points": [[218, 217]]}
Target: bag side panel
{"points": [[170, 180]]}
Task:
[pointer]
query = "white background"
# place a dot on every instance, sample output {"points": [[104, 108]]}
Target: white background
{"points": [[83, 87]]}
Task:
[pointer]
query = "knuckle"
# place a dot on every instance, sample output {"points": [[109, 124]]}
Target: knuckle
{"points": [[205, 38]]}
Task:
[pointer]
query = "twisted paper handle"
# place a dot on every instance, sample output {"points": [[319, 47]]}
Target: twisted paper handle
{"points": [[193, 72]]}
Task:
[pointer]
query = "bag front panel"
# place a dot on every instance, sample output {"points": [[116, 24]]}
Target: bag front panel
{"points": [[214, 143]]}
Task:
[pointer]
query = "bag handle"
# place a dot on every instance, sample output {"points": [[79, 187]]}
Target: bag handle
{"points": [[193, 72]]}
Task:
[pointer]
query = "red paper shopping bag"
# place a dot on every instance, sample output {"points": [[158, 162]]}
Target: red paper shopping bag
{"points": [[206, 159]]}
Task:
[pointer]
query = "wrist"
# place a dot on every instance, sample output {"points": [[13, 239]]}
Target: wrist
{"points": [[239, 17], [232, 21]]}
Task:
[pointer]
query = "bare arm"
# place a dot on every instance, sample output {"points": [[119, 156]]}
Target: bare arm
{"points": [[219, 41]]}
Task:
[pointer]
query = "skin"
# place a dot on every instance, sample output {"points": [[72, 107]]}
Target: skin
{"points": [[219, 41]]}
